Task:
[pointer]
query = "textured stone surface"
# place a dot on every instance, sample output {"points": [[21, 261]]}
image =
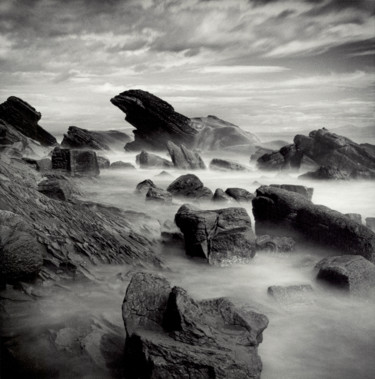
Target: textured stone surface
{"points": [[300, 293], [240, 194], [55, 189], [120, 165], [326, 173], [221, 196], [184, 158], [149, 160], [189, 186], [144, 186], [103, 162], [224, 165], [159, 195], [302, 190], [275, 244]]}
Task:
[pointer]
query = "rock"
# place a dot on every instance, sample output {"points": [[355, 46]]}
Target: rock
{"points": [[301, 293], [170, 335], [355, 217], [44, 164], [103, 162], [302, 190], [155, 121], [163, 174], [189, 186], [144, 186], [75, 162], [259, 152], [271, 161], [184, 158], [275, 244], [120, 165], [224, 165], [351, 273], [148, 160], [221, 196], [326, 173], [278, 211], [21, 255], [159, 195], [171, 234], [221, 236], [78, 138], [239, 194], [370, 223], [23, 117], [55, 189]]}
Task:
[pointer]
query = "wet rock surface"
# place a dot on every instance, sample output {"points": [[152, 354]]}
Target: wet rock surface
{"points": [[120, 165], [103, 162], [55, 189], [275, 244], [189, 186], [144, 186], [240, 194], [221, 196], [224, 165], [159, 195], [149, 160], [169, 334], [326, 173], [302, 190], [184, 158], [300, 293]]}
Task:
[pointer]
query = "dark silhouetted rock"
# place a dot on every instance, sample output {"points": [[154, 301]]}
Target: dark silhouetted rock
{"points": [[301, 293], [103, 162], [148, 160], [271, 161], [355, 217], [23, 117], [259, 152], [275, 244], [302, 190], [144, 186], [155, 121], [78, 138], [221, 236], [159, 195], [55, 189], [326, 173], [224, 165], [21, 255], [184, 158], [189, 186], [120, 165], [370, 223], [240, 194], [351, 273], [170, 335], [282, 212], [221, 196]]}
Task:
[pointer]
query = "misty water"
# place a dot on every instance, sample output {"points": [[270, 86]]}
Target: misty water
{"points": [[331, 335]]}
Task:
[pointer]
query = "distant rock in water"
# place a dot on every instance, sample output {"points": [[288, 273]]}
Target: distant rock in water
{"points": [[275, 244], [170, 335], [23, 117], [282, 212], [184, 158], [221, 196], [149, 160], [120, 165], [302, 190], [239, 194], [78, 138], [144, 186], [326, 173], [291, 294], [159, 195], [224, 165], [189, 186], [221, 236], [155, 120], [103, 162]]}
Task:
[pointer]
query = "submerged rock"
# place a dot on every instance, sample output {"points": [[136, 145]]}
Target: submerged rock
{"points": [[275, 244], [189, 186], [221, 196], [148, 160], [239, 194], [302, 190], [355, 217], [184, 158], [120, 165], [159, 195], [170, 335], [144, 186], [221, 236], [103, 162], [326, 173], [224, 165], [301, 293]]}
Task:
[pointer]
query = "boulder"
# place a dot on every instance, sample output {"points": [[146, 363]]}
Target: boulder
{"points": [[239, 194], [148, 160], [355, 217], [221, 196], [158, 195], [189, 186], [103, 162], [155, 121], [21, 255], [326, 173], [351, 273], [275, 244], [163, 174], [271, 161], [302, 190], [259, 152], [55, 189], [224, 165], [170, 335], [144, 186], [184, 158], [24, 118], [300, 293], [120, 165], [281, 212], [221, 236], [370, 223], [78, 138]]}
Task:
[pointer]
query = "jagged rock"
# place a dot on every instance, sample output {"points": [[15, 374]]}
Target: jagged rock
{"points": [[155, 121], [120, 165], [239, 194], [271, 161], [184, 158], [78, 138], [275, 243], [23, 117], [224, 165], [351, 273], [189, 186], [148, 160], [55, 189], [355, 217], [103, 162], [370, 223], [259, 152], [21, 255], [221, 236], [302, 190], [144, 186], [326, 173], [170, 335], [75, 162], [221, 196], [301, 293], [282, 212], [159, 195]]}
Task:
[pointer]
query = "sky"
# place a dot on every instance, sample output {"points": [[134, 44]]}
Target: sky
{"points": [[267, 66]]}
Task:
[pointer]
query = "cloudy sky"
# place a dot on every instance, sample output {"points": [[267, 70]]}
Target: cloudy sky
{"points": [[264, 65]]}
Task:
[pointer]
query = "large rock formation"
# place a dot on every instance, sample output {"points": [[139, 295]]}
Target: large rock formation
{"points": [[184, 158], [170, 335], [282, 212], [221, 236], [155, 120], [78, 138], [23, 117], [189, 186], [324, 149]]}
